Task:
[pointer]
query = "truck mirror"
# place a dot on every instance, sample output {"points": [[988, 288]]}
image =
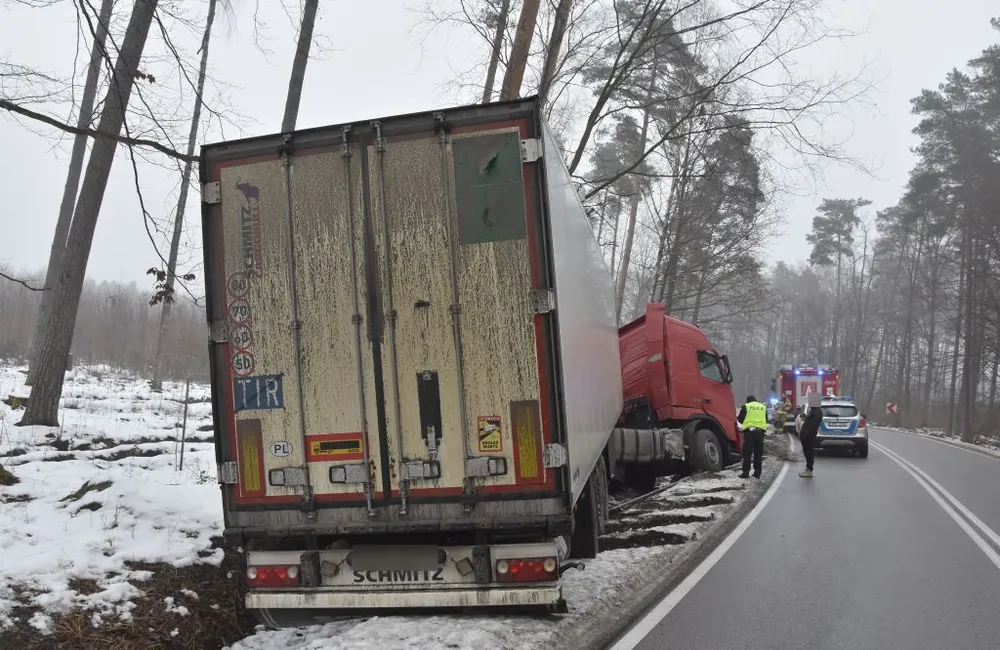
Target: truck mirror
{"points": [[728, 369]]}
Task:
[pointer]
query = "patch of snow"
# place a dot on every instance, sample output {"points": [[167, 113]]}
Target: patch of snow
{"points": [[190, 594], [41, 622], [174, 632], [88, 514]]}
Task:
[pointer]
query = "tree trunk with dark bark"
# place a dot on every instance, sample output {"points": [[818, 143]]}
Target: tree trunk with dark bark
{"points": [[519, 50], [298, 77], [97, 53], [491, 70], [552, 51], [43, 406]]}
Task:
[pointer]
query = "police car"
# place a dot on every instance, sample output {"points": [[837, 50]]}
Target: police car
{"points": [[843, 426]]}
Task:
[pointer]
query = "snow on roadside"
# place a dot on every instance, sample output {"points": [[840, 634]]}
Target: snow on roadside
{"points": [[86, 506], [987, 445]]}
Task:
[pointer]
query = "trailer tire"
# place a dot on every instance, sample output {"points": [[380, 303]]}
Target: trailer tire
{"points": [[591, 514], [707, 451]]}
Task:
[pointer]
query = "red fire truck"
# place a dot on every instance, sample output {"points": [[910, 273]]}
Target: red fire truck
{"points": [[795, 382]]}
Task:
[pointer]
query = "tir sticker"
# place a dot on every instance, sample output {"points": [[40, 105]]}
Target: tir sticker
{"points": [[239, 311], [241, 337], [490, 435], [281, 449], [258, 393], [244, 364], [334, 446], [238, 284]]}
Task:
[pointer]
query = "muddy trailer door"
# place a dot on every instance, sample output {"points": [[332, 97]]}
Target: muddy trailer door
{"points": [[382, 348]]}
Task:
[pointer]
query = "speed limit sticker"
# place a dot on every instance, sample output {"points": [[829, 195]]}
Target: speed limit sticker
{"points": [[241, 337], [238, 284], [243, 363], [239, 311]]}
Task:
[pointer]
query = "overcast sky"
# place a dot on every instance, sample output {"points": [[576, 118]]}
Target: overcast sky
{"points": [[379, 67]]}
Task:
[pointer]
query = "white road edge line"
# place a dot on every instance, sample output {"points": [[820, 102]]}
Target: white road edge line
{"points": [[977, 539], [958, 505], [947, 443], [647, 623]]}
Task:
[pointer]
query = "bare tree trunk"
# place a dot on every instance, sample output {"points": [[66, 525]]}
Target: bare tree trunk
{"points": [[971, 361], [931, 343], [630, 232], [43, 406], [878, 367], [175, 240], [519, 50], [962, 278], [552, 51], [835, 352], [298, 77], [72, 184], [491, 71]]}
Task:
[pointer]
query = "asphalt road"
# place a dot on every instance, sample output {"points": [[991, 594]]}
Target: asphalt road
{"points": [[860, 557]]}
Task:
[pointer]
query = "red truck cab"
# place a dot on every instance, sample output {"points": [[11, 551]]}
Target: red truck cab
{"points": [[672, 378]]}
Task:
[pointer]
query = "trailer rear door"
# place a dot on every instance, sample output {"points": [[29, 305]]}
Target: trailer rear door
{"points": [[373, 296]]}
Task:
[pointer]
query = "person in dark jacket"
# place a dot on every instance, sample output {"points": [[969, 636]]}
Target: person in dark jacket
{"points": [[808, 431], [753, 421]]}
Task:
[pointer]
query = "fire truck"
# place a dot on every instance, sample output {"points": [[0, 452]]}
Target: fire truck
{"points": [[795, 382]]}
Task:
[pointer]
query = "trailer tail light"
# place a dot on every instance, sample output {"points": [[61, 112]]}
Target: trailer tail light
{"points": [[273, 576], [527, 569]]}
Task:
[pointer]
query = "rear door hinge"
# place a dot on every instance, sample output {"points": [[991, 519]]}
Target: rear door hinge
{"points": [[218, 331], [531, 149], [555, 455], [229, 473], [211, 192], [543, 300]]}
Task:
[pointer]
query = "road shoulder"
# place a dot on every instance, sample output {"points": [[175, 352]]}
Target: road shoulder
{"points": [[632, 600]]}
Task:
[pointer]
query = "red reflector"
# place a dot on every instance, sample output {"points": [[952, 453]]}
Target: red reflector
{"points": [[272, 576], [527, 569]]}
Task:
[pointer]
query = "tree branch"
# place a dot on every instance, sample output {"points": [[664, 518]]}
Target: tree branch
{"points": [[22, 283], [93, 133]]}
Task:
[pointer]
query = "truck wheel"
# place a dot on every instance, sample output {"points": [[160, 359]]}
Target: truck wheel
{"points": [[591, 513], [706, 450]]}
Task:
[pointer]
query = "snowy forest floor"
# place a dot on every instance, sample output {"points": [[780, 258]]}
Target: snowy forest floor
{"points": [[108, 543]]}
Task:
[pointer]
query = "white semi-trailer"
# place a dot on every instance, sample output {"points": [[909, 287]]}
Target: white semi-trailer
{"points": [[415, 364]]}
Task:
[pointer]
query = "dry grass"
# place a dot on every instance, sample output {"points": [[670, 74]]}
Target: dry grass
{"points": [[6, 478], [216, 617]]}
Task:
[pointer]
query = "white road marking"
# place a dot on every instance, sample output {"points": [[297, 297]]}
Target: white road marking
{"points": [[946, 443], [927, 482], [647, 623]]}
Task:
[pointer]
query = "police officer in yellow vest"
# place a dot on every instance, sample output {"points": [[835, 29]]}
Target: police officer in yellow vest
{"points": [[753, 423]]}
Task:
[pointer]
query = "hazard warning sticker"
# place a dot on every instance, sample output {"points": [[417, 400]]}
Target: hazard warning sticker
{"points": [[334, 446], [490, 435]]}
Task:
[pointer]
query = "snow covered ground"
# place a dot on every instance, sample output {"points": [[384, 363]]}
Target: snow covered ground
{"points": [[101, 516], [991, 445], [101, 492]]}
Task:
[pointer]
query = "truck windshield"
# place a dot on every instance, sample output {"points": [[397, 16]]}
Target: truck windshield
{"points": [[709, 365], [839, 410]]}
